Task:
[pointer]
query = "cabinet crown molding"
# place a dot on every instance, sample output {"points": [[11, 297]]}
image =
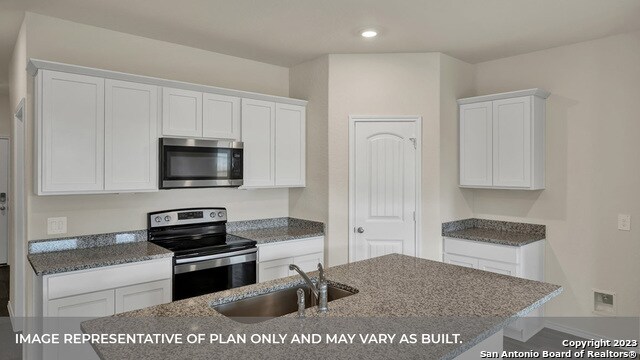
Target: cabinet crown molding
{"points": [[541, 93], [33, 65]]}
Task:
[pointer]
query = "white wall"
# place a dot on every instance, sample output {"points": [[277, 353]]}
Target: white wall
{"points": [[457, 80], [310, 81], [592, 166], [63, 41], [5, 115], [382, 84], [17, 91]]}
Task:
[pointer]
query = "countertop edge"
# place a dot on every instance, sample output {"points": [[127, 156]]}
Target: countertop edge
{"points": [[283, 239], [97, 265], [452, 235]]}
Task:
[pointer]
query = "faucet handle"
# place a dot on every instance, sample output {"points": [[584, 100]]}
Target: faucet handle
{"points": [[321, 270]]}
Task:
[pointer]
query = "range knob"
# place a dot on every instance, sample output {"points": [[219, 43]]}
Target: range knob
{"points": [[158, 219], [220, 214], [213, 214], [167, 218]]}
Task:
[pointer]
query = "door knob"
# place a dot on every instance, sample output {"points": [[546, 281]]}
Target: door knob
{"points": [[360, 230]]}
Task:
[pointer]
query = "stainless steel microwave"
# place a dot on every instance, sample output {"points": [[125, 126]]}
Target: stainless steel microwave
{"points": [[191, 163]]}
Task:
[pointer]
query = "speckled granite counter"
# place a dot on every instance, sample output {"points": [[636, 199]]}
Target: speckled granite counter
{"points": [[389, 287], [495, 232], [274, 230], [91, 251]]}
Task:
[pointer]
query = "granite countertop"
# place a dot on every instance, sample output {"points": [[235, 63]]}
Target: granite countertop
{"points": [[495, 232], [474, 303], [46, 263], [275, 230], [51, 256]]}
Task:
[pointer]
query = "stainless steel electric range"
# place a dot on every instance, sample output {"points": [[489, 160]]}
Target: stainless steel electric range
{"points": [[206, 258]]}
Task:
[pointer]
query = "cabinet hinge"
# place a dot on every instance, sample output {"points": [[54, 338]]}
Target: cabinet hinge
{"points": [[414, 216]]}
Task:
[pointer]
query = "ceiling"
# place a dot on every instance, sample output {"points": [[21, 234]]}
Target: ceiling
{"points": [[288, 32]]}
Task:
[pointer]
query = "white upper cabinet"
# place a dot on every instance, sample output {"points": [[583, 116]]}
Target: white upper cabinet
{"points": [[95, 135], [220, 117], [97, 130], [258, 133], [512, 142], [476, 134], [274, 144], [502, 140], [181, 112], [290, 138], [131, 137], [70, 132]]}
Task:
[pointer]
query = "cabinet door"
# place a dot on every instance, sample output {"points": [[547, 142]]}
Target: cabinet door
{"points": [[181, 112], [72, 133], [309, 262], [220, 117], [65, 316], [131, 138], [143, 295], [475, 144], [498, 267], [512, 142], [96, 304], [461, 260], [274, 269], [290, 149], [258, 127]]}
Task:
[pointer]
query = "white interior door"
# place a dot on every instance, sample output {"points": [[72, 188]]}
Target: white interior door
{"points": [[4, 190], [384, 188]]}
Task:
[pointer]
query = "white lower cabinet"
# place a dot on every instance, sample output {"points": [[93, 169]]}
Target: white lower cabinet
{"points": [[65, 300], [525, 261], [140, 296], [274, 258], [274, 269]]}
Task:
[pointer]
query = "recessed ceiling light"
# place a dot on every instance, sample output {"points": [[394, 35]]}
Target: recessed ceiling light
{"points": [[369, 33]]}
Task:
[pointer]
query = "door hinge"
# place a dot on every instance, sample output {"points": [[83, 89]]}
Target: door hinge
{"points": [[414, 216], [414, 142]]}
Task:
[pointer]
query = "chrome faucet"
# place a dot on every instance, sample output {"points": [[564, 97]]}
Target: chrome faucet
{"points": [[319, 290]]}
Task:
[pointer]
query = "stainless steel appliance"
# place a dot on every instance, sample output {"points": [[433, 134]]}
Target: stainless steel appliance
{"points": [[206, 258], [187, 163]]}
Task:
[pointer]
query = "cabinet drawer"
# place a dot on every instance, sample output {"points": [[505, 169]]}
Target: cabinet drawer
{"points": [[461, 261], [498, 267], [86, 281], [502, 253], [290, 248]]}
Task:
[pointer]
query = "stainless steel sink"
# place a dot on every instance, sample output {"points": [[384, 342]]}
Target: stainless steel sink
{"points": [[277, 303]]}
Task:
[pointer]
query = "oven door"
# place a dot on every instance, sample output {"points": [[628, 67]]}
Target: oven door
{"points": [[200, 163], [210, 273]]}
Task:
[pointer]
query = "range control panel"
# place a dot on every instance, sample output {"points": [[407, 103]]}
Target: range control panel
{"points": [[187, 216]]}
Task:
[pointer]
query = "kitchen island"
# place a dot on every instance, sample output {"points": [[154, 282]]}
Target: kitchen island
{"points": [[395, 294]]}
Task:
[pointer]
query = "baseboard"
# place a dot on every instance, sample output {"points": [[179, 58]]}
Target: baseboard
{"points": [[16, 325], [580, 333]]}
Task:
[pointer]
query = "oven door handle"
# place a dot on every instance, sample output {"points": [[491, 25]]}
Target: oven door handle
{"points": [[214, 261]]}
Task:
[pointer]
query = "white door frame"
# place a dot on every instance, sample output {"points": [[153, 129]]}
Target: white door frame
{"points": [[353, 119], [17, 310]]}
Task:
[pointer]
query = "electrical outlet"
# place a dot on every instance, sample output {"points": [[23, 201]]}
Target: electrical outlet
{"points": [[57, 225], [604, 302], [624, 222]]}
